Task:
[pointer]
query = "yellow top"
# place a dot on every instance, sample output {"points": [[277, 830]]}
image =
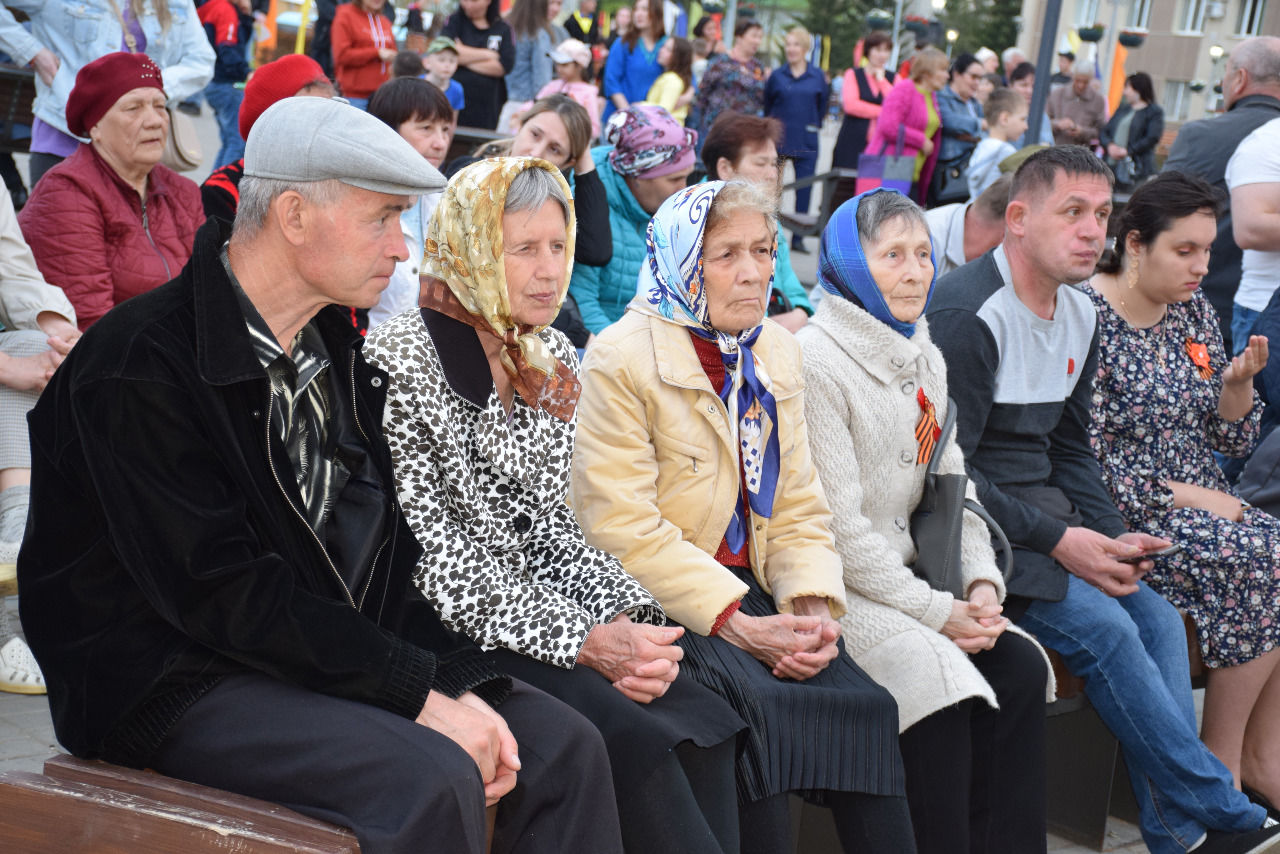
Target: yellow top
{"points": [[665, 91], [930, 126]]}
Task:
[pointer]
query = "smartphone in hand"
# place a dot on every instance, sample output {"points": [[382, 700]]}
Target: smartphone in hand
{"points": [[1172, 549]]}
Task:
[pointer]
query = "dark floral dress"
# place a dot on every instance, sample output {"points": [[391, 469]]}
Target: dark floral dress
{"points": [[726, 85], [1155, 418]]}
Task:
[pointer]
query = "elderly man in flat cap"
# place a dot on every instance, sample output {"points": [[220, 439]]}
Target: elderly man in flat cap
{"points": [[216, 574]]}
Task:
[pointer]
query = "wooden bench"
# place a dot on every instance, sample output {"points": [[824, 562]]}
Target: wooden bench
{"points": [[77, 806]]}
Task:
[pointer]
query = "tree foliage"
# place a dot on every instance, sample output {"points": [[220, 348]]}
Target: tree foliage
{"points": [[843, 21], [993, 23]]}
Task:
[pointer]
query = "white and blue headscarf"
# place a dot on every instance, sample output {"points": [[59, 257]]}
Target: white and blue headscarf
{"points": [[842, 266], [671, 287]]}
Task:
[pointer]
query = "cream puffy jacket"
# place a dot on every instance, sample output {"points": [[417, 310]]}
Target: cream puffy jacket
{"points": [[863, 378], [655, 474]]}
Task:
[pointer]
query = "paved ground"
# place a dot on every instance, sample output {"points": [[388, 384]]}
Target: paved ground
{"points": [[26, 732]]}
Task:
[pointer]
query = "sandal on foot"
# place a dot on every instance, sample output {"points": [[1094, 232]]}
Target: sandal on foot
{"points": [[19, 673]]}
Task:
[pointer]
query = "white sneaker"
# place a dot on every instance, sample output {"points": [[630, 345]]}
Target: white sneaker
{"points": [[19, 673]]}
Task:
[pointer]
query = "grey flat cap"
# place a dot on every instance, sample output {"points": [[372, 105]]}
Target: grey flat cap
{"points": [[318, 139]]}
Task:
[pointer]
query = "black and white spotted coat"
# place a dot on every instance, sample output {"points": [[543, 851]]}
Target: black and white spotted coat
{"points": [[504, 559]]}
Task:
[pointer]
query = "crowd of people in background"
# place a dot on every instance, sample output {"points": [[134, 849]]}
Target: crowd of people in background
{"points": [[546, 446]]}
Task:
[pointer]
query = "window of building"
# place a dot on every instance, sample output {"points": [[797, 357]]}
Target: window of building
{"points": [[1177, 100], [1087, 13], [1190, 16], [1139, 13], [1250, 20]]}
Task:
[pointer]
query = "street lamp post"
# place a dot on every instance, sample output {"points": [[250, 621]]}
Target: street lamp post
{"points": [[952, 35]]}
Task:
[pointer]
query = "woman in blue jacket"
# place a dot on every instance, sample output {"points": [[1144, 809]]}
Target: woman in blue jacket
{"points": [[632, 65], [796, 95]]}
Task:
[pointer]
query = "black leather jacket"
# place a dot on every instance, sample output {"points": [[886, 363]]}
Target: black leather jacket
{"points": [[165, 547]]}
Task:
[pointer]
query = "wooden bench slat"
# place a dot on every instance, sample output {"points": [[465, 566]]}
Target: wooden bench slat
{"points": [[267, 817], [40, 815]]}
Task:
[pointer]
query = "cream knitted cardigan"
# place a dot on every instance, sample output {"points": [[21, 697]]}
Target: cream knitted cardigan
{"points": [[861, 379]]}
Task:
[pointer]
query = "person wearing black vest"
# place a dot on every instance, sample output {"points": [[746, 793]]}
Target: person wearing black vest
{"points": [[1251, 92], [862, 97]]}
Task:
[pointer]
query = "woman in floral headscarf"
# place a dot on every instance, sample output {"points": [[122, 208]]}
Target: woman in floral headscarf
{"points": [[970, 687], [692, 465], [479, 417]]}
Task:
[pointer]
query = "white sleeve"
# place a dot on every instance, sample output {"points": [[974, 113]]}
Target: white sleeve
{"points": [[1257, 158]]}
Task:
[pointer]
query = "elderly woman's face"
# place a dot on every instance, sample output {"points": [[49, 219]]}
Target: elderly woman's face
{"points": [[900, 262], [757, 163], [544, 136], [131, 134], [429, 137], [737, 264], [534, 260]]}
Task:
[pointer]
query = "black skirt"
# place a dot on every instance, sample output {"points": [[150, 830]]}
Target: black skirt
{"points": [[837, 731], [850, 143]]}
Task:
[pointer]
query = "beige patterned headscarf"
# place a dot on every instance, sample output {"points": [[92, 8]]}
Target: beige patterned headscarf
{"points": [[464, 276]]}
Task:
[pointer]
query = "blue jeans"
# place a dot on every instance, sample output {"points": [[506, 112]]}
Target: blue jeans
{"points": [[1132, 654], [225, 100], [1242, 322]]}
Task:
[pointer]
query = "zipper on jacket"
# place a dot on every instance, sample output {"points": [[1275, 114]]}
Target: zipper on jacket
{"points": [[271, 399], [355, 414], [146, 229]]}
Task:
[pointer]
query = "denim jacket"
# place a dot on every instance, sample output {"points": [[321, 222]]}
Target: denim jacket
{"points": [[80, 31], [958, 117], [534, 68]]}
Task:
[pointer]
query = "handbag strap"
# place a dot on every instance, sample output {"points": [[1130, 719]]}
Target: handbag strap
{"points": [[948, 425], [996, 531]]}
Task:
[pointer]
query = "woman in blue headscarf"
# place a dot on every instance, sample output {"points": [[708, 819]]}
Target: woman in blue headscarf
{"points": [[970, 686], [692, 466]]}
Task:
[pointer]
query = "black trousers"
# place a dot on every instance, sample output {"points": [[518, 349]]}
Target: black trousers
{"points": [[975, 775], [400, 786], [38, 164]]}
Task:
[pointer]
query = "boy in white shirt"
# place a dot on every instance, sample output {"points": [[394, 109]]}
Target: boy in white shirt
{"points": [[1006, 113]]}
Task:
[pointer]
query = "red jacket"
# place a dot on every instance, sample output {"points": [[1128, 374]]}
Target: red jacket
{"points": [[356, 37], [87, 230]]}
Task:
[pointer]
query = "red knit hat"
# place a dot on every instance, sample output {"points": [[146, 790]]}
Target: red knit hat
{"points": [[101, 83], [276, 81]]}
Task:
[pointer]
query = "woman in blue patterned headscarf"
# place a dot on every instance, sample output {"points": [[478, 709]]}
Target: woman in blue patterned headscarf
{"points": [[692, 465], [970, 686]]}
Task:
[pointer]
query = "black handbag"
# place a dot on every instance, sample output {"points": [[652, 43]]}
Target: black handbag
{"points": [[937, 522], [950, 181]]}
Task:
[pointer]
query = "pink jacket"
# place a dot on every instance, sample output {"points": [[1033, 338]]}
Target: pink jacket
{"points": [[904, 106]]}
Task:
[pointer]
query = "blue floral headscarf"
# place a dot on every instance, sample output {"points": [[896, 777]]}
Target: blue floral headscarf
{"points": [[842, 266], [672, 288]]}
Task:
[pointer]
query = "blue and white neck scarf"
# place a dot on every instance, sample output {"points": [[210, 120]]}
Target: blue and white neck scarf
{"points": [[843, 271], [671, 287]]}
